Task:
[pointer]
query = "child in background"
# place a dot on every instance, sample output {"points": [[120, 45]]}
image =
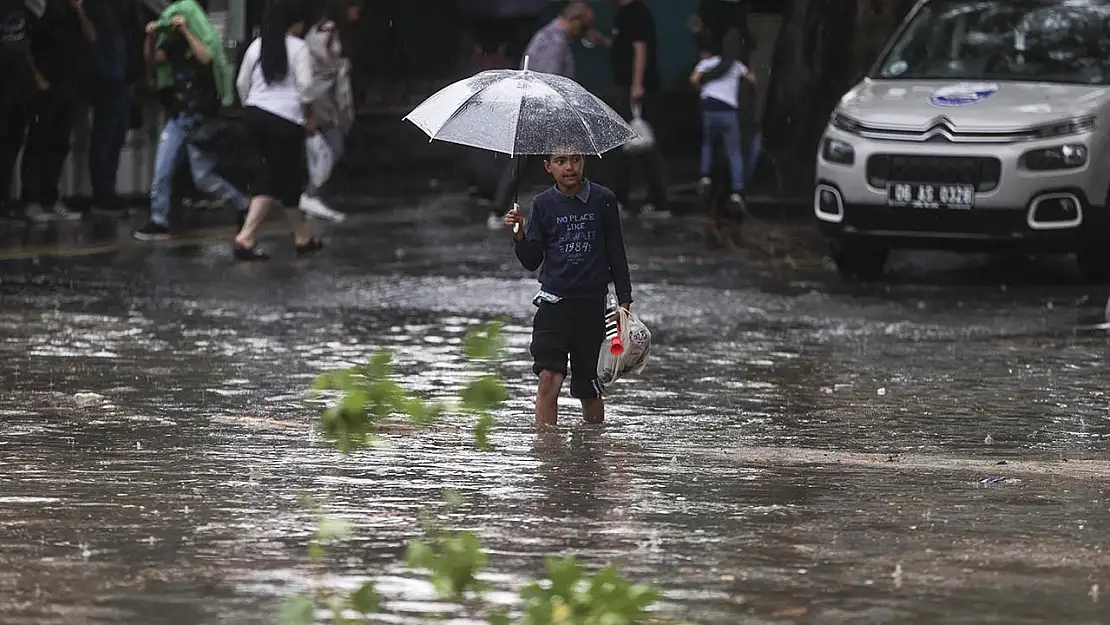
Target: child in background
{"points": [[720, 105]]}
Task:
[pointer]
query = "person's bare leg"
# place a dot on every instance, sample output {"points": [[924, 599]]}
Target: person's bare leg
{"points": [[256, 214], [547, 398], [593, 410], [301, 233]]}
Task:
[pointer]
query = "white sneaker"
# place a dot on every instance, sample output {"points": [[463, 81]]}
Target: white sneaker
{"points": [[316, 208], [35, 213], [705, 187], [495, 221], [737, 204], [65, 213], [648, 211]]}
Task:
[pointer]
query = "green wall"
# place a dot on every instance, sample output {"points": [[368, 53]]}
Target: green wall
{"points": [[676, 45]]}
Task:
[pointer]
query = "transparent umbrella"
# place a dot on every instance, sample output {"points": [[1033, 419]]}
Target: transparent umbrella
{"points": [[520, 112]]}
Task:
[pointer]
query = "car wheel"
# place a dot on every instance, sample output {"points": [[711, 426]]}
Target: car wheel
{"points": [[861, 261], [1094, 263]]}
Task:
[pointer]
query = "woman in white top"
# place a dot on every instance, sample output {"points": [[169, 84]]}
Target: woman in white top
{"points": [[334, 106], [275, 78]]}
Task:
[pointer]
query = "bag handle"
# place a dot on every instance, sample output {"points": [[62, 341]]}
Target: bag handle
{"points": [[637, 111]]}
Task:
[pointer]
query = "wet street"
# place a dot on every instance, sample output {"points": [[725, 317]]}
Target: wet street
{"points": [[932, 449]]}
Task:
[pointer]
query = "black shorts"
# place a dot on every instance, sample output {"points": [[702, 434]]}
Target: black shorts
{"points": [[574, 329], [281, 170]]}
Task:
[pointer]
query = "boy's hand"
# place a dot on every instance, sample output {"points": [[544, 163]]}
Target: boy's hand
{"points": [[695, 79], [627, 306], [151, 28], [515, 222], [179, 23]]}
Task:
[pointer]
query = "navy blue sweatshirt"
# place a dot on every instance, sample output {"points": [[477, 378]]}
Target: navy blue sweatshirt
{"points": [[577, 244]]}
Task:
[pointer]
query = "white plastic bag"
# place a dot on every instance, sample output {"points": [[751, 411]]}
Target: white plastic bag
{"points": [[623, 329], [645, 135], [321, 160]]}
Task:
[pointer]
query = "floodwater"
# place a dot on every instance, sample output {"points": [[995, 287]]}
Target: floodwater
{"points": [[798, 451]]}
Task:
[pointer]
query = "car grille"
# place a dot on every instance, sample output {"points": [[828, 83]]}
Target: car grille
{"points": [[981, 171]]}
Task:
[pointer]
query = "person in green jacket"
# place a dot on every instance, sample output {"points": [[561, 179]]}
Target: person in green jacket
{"points": [[196, 22], [192, 101]]}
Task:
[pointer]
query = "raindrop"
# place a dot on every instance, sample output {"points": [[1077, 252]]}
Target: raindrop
{"points": [[85, 553], [897, 575], [138, 445], [1094, 593], [989, 440], [881, 392]]}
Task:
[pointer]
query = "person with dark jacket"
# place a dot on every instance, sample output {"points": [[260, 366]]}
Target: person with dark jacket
{"points": [[58, 45], [573, 236], [634, 51], [21, 81], [115, 65]]}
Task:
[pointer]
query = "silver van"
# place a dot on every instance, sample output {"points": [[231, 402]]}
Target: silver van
{"points": [[984, 125]]}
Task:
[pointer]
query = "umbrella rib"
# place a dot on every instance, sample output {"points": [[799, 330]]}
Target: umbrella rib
{"points": [[458, 109], [519, 114], [589, 132]]}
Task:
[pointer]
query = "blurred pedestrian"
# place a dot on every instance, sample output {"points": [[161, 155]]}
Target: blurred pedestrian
{"points": [[726, 23], [720, 103], [333, 107], [21, 83], [59, 44], [634, 51], [185, 61], [116, 66], [573, 236], [275, 78], [550, 50]]}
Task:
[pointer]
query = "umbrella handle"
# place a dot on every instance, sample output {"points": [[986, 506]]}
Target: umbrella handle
{"points": [[516, 178]]}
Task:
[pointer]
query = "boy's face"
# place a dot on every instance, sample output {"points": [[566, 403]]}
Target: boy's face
{"points": [[566, 169]]}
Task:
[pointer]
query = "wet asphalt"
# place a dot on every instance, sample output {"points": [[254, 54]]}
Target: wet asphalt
{"points": [[929, 449]]}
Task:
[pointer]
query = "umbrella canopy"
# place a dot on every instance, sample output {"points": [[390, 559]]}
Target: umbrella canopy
{"points": [[518, 112]]}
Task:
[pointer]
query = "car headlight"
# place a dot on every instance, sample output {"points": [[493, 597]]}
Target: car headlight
{"points": [[841, 121], [1066, 128], [837, 151], [1068, 156]]}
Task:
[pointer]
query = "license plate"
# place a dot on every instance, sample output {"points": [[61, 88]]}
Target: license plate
{"points": [[917, 195]]}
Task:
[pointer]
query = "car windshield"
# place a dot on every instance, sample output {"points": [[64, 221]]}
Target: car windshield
{"points": [[1066, 41]]}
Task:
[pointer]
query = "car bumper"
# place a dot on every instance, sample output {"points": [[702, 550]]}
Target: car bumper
{"points": [[1038, 226]]}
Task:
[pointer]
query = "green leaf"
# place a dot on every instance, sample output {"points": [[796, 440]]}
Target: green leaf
{"points": [[499, 616], [420, 555], [366, 599], [483, 394], [482, 431], [380, 365], [316, 553], [483, 342], [331, 528], [298, 610], [453, 499]]}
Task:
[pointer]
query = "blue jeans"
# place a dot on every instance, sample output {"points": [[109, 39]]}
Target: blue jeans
{"points": [[111, 118], [172, 145], [334, 137], [726, 125]]}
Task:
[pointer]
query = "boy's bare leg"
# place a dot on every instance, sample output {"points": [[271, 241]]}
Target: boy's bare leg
{"points": [[547, 398], [593, 410]]}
